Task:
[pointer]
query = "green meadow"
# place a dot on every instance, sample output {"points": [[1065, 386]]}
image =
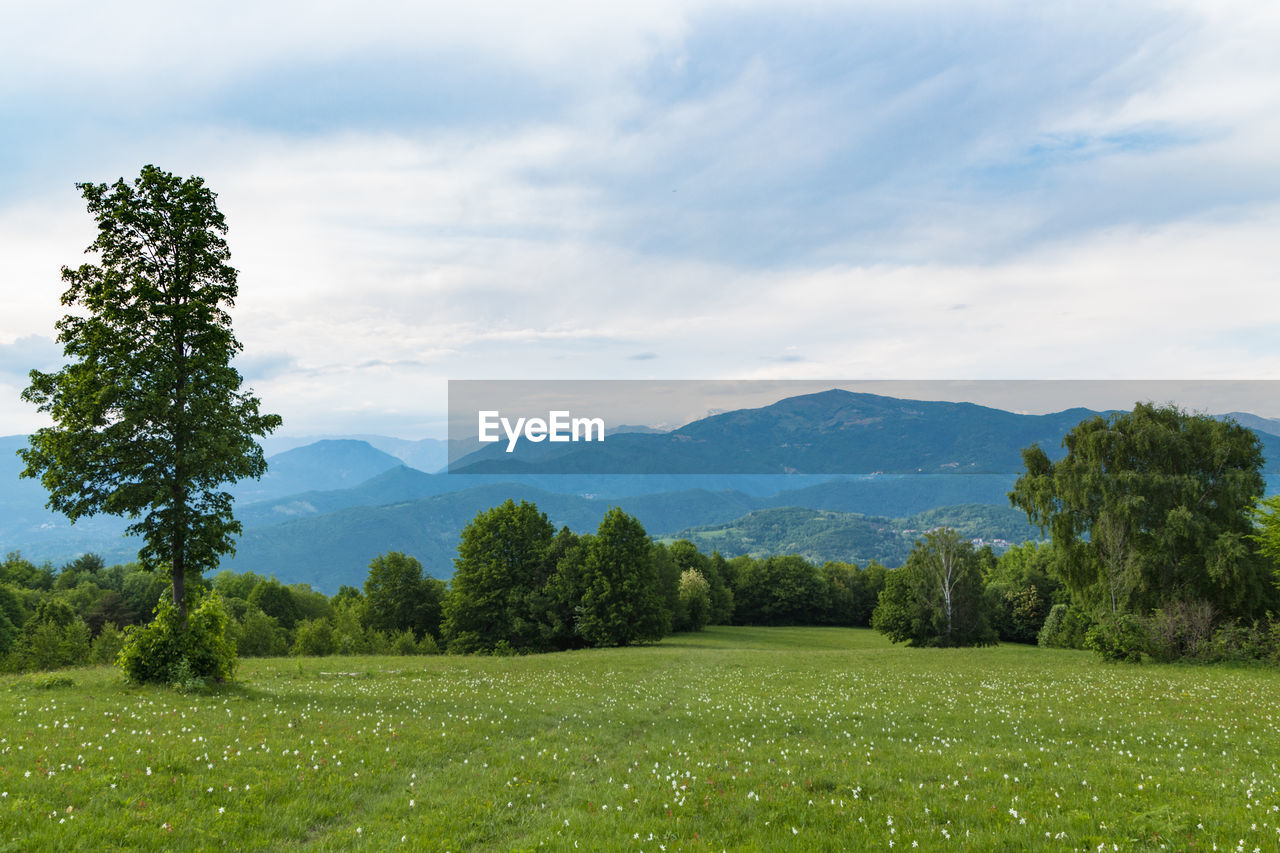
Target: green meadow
{"points": [[729, 739]]}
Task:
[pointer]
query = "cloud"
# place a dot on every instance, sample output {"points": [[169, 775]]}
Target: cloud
{"points": [[416, 194], [32, 352]]}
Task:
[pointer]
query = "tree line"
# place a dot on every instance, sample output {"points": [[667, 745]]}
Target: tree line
{"points": [[519, 585], [1160, 545]]}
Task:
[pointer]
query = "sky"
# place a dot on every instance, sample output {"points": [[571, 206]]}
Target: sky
{"points": [[419, 192]]}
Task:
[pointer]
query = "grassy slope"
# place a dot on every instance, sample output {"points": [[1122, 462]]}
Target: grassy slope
{"points": [[736, 738]]}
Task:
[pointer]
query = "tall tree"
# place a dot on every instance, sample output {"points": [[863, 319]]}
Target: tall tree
{"points": [[937, 597], [498, 578], [399, 597], [150, 421], [1152, 507], [623, 600]]}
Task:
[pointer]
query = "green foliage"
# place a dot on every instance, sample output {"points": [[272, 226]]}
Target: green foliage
{"points": [[397, 597], [109, 608], [717, 574], [48, 643], [314, 638], [1120, 638], [142, 589], [1245, 643], [695, 601], [350, 636], [105, 648], [274, 599], [1180, 631], [259, 635], [562, 594], [231, 584], [310, 603], [11, 606], [499, 576], [21, 572], [9, 633], [779, 590], [1018, 613], [1266, 516], [428, 646], [1149, 507], [404, 643], [149, 419], [936, 598], [622, 601], [166, 652], [1064, 628]]}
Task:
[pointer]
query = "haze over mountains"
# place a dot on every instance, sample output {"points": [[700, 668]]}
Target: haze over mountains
{"points": [[327, 507]]}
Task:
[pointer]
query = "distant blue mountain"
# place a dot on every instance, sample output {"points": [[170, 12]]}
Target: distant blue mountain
{"points": [[832, 432], [336, 503], [328, 464]]}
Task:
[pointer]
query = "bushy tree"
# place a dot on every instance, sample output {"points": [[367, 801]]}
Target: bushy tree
{"points": [[687, 556], [937, 597], [562, 595], [1151, 507], [778, 590], [18, 571], [274, 599], [314, 638], [1266, 516], [1065, 627], [398, 597], [12, 619], [169, 652], [695, 601], [105, 648], [622, 602], [259, 635], [499, 575]]}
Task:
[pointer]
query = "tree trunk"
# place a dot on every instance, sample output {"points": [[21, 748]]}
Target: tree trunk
{"points": [[179, 572]]}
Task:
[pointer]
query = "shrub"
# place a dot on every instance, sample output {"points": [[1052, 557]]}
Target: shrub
{"points": [[259, 635], [428, 646], [106, 647], [1064, 628], [162, 652], [314, 638], [1120, 639], [1021, 614], [377, 642], [52, 645], [1241, 642], [403, 643], [1183, 630]]}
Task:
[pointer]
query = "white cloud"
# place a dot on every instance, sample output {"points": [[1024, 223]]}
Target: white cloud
{"points": [[728, 190]]}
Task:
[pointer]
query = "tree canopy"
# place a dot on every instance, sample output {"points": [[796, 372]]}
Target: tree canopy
{"points": [[937, 597], [1152, 507], [149, 418], [500, 569]]}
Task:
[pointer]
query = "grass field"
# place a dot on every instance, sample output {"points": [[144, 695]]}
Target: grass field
{"points": [[733, 739]]}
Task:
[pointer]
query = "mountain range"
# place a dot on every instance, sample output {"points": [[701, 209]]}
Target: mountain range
{"points": [[327, 507]]}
